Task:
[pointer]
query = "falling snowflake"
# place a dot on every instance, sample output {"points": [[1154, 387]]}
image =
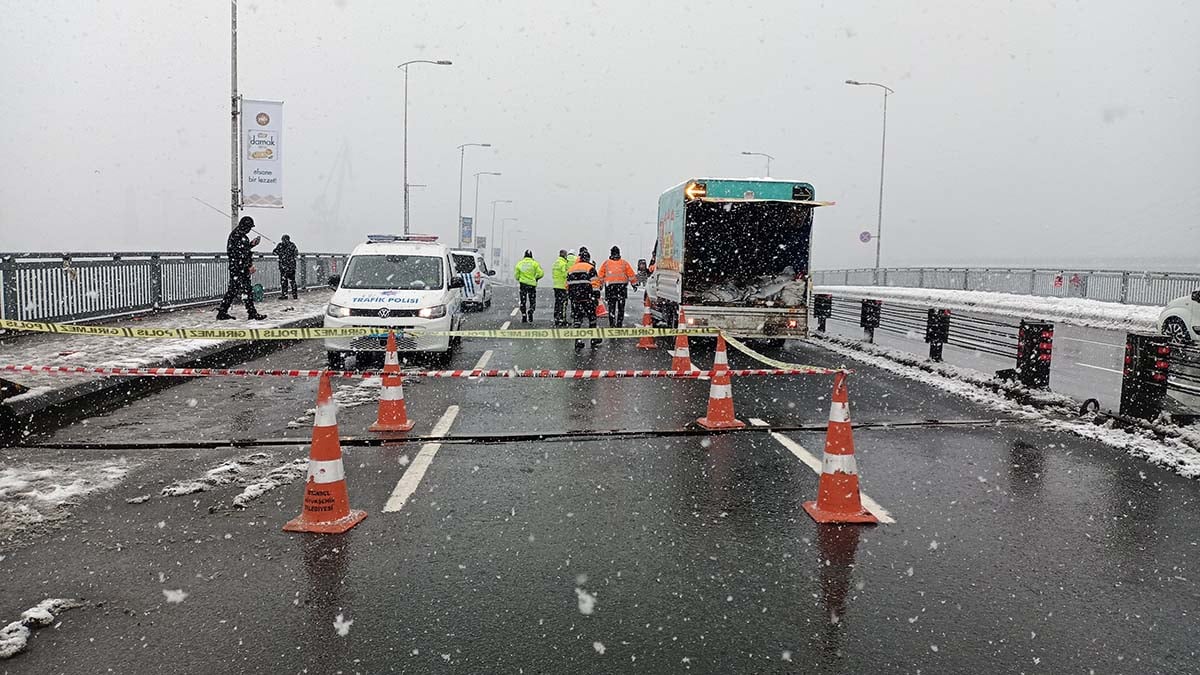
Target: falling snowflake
{"points": [[933, 545], [598, 646], [342, 626], [403, 460], [587, 601], [175, 596], [933, 647], [909, 571], [787, 655]]}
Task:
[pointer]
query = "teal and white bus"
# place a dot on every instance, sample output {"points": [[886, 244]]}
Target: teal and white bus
{"points": [[734, 254]]}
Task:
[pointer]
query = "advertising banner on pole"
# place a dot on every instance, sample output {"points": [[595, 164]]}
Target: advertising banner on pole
{"points": [[496, 257], [262, 153], [481, 244], [466, 231]]}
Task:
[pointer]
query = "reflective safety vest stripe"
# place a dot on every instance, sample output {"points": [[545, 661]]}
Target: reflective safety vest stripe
{"points": [[617, 272]]}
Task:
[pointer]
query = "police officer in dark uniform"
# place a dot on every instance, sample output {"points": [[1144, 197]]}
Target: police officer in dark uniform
{"points": [[287, 253], [240, 249]]}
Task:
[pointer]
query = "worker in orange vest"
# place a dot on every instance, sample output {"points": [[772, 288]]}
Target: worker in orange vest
{"points": [[583, 285], [616, 276]]}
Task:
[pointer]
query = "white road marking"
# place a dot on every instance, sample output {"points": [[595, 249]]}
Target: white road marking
{"points": [[1091, 342], [1109, 370], [515, 310], [815, 464], [505, 325], [482, 363], [408, 483]]}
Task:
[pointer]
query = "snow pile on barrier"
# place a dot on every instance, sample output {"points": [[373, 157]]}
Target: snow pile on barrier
{"points": [[1074, 311]]}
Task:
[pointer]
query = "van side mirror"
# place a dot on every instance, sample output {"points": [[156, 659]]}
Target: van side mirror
{"points": [[1195, 296], [491, 273], [456, 282], [335, 280]]}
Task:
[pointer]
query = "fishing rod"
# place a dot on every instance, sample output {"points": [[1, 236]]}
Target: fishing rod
{"points": [[227, 215]]}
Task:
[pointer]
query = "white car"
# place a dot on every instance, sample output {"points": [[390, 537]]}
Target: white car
{"points": [[477, 278], [1180, 319], [395, 281]]}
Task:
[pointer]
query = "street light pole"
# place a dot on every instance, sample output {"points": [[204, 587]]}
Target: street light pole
{"points": [[475, 213], [462, 160], [235, 133], [494, 203], [405, 66], [762, 154], [887, 91]]}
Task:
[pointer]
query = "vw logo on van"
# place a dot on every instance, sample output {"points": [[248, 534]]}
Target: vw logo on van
{"points": [[385, 313]]}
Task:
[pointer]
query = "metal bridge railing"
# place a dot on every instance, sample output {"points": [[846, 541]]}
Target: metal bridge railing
{"points": [[1134, 288], [79, 286]]}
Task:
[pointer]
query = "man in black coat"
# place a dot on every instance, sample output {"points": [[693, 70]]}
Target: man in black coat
{"points": [[287, 253], [241, 255]]}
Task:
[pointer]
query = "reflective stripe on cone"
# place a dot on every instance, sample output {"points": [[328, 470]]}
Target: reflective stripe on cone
{"points": [[326, 506], [720, 397], [838, 499]]}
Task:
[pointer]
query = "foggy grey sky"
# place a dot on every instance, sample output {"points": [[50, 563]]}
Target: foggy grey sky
{"points": [[1020, 133]]}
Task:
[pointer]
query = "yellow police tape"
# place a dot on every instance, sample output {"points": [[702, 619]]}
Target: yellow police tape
{"points": [[321, 333], [783, 365]]}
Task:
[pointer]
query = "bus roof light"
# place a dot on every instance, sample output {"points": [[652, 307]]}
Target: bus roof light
{"points": [[695, 191]]}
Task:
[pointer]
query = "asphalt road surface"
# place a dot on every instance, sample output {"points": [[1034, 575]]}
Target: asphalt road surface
{"points": [[1013, 549]]}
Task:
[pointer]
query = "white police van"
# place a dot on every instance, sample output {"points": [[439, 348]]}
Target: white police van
{"points": [[395, 281], [477, 282]]}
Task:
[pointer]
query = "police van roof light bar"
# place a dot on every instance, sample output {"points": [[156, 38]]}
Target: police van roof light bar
{"points": [[389, 238]]}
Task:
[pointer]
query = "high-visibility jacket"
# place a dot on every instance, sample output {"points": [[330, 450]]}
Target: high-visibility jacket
{"points": [[582, 282], [559, 272], [617, 271], [528, 271]]}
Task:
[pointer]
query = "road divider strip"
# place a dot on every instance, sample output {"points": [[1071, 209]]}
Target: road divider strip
{"points": [[146, 333], [543, 373]]}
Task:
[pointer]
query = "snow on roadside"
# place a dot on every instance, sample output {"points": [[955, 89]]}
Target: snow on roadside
{"points": [[366, 391], [32, 493], [1174, 453], [14, 637], [254, 471], [1074, 311], [67, 350], [277, 477]]}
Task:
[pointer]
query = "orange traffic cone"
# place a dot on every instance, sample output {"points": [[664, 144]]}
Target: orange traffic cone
{"points": [[647, 342], [326, 506], [393, 415], [838, 500], [601, 310], [681, 359], [720, 394]]}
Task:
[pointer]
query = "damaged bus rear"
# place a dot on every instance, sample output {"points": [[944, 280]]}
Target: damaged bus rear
{"points": [[734, 253]]}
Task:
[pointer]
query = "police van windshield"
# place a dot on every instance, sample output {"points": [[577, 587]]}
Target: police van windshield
{"points": [[413, 272], [464, 263]]}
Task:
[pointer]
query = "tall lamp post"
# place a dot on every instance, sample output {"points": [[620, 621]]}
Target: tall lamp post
{"points": [[508, 245], [462, 160], [475, 213], [494, 203], [887, 91], [761, 154], [404, 66]]}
